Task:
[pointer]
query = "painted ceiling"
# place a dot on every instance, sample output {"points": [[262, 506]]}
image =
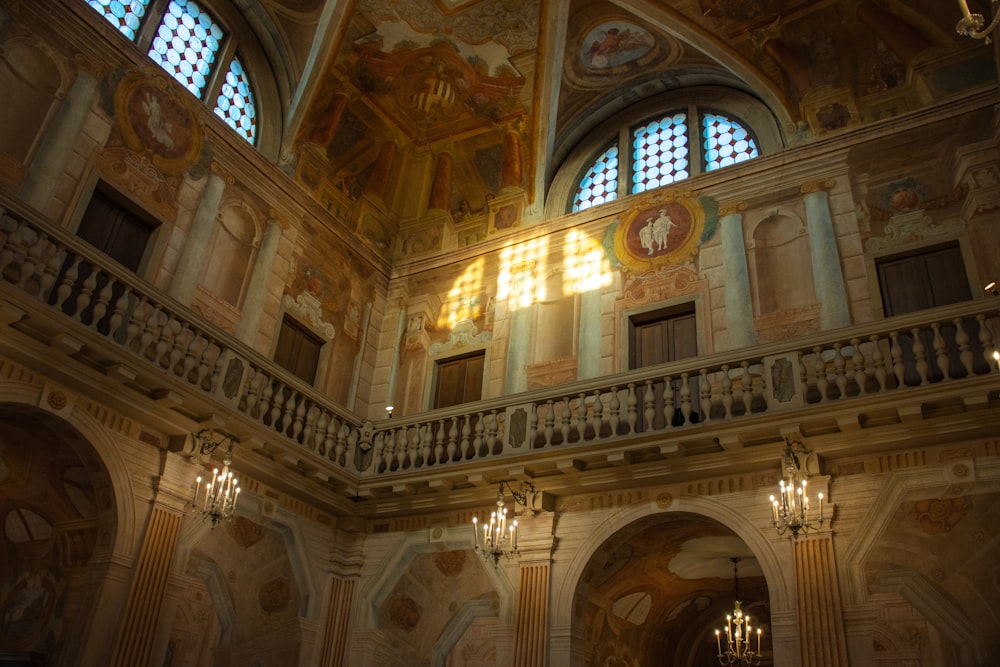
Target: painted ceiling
{"points": [[481, 79]]}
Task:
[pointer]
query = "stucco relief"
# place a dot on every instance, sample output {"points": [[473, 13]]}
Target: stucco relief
{"points": [[913, 226]]}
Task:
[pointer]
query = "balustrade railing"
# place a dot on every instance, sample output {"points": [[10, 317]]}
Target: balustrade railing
{"points": [[53, 268]]}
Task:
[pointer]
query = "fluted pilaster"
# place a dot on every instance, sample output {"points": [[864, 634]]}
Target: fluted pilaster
{"points": [[821, 620], [532, 615], [145, 599]]}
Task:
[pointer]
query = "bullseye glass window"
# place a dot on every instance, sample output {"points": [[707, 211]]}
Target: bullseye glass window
{"points": [[725, 141], [600, 184], [235, 103], [122, 14], [660, 152], [186, 43]]}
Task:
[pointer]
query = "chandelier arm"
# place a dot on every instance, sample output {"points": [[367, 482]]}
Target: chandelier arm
{"points": [[971, 25]]}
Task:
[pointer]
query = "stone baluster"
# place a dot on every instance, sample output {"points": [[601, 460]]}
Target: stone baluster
{"points": [[705, 389], [648, 406], [615, 408], [840, 370], [630, 408], [727, 393], [859, 367], [466, 447], [597, 420], [986, 340], [550, 422], [581, 416], [668, 401], [491, 434], [746, 387], [686, 397], [565, 415], [439, 449], [941, 353], [964, 348], [819, 370], [920, 356], [453, 439], [878, 362]]}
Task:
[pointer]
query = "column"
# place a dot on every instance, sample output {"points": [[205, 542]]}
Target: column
{"points": [[901, 37], [338, 617], [441, 186], [739, 306], [57, 147], [827, 274], [588, 358], [193, 255], [530, 624], [326, 125], [519, 335], [821, 621], [792, 64], [253, 305], [141, 617], [378, 179], [511, 175]]}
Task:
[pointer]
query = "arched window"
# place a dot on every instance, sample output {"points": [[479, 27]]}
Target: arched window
{"points": [[600, 184], [196, 50], [694, 137]]}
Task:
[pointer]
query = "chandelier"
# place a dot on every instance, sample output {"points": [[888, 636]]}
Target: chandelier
{"points": [[499, 537], [222, 490], [971, 25], [738, 646], [791, 510]]}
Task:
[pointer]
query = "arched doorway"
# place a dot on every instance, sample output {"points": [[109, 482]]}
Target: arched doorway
{"points": [[57, 518], [655, 591]]}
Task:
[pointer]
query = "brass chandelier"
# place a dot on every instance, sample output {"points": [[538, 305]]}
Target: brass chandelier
{"points": [[499, 536], [791, 510], [222, 489], [738, 648]]}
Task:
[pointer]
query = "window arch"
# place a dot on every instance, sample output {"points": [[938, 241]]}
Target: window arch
{"points": [[188, 41], [662, 141], [600, 183]]}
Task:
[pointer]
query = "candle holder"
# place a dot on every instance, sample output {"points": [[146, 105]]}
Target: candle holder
{"points": [[222, 489]]}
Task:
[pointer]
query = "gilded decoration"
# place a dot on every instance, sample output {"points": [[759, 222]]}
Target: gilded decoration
{"points": [[157, 122], [664, 232]]}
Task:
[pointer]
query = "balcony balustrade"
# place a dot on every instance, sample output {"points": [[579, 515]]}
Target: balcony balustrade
{"points": [[53, 286]]}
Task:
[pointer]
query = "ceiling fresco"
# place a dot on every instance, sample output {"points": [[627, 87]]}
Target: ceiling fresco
{"points": [[431, 115]]}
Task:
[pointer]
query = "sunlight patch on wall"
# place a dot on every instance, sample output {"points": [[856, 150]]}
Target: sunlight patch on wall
{"points": [[464, 300], [585, 267], [521, 281]]}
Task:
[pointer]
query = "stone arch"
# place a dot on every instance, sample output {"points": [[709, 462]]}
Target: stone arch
{"points": [[777, 570], [66, 510]]}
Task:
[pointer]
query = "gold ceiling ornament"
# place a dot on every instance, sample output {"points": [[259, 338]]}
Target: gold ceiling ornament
{"points": [[738, 648], [791, 509], [974, 25], [499, 536], [222, 490]]}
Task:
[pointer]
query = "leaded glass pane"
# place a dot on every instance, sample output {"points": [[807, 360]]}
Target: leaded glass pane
{"points": [[725, 142], [186, 43], [600, 184], [125, 15], [235, 104], [659, 153]]}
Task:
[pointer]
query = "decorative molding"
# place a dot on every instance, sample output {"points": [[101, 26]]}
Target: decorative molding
{"points": [[465, 333], [911, 227], [306, 308]]}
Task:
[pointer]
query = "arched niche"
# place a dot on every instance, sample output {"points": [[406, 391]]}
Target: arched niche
{"points": [[58, 525], [34, 83]]}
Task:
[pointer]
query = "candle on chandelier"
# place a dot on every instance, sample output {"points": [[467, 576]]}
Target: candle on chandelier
{"points": [[821, 509], [718, 642], [197, 487], [475, 532], [236, 496], [758, 641]]}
